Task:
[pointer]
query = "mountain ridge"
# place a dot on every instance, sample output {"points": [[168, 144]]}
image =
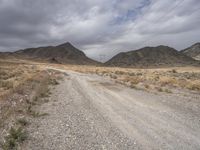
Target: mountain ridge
{"points": [[193, 51], [151, 56], [64, 53]]}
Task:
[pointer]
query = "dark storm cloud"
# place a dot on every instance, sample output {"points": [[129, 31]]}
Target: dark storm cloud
{"points": [[98, 26]]}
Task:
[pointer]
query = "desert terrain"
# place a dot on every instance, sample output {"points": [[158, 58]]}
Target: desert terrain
{"points": [[100, 75], [56, 106]]}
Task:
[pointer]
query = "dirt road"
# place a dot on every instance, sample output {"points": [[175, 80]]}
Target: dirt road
{"points": [[91, 112]]}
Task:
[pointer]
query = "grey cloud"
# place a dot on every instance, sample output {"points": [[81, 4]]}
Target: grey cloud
{"points": [[99, 27]]}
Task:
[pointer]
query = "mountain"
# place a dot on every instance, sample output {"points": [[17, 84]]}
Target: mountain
{"points": [[150, 57], [65, 53], [193, 51], [7, 55]]}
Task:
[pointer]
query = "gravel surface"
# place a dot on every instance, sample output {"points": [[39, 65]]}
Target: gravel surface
{"points": [[91, 112]]}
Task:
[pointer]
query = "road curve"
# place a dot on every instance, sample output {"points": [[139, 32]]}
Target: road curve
{"points": [[90, 112]]}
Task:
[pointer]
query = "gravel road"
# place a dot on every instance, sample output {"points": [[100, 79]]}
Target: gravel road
{"points": [[91, 112]]}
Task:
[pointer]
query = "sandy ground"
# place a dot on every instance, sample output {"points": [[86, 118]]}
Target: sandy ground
{"points": [[91, 112]]}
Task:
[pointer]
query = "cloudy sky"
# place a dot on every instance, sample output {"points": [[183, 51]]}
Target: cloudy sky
{"points": [[100, 28]]}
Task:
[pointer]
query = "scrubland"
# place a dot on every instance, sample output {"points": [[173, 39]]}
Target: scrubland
{"points": [[23, 86], [156, 79], [13, 75], [26, 85]]}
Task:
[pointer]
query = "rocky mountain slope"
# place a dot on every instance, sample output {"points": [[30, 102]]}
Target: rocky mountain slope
{"points": [[193, 51], [151, 56], [65, 53]]}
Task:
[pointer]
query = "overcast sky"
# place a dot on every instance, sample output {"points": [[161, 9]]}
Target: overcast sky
{"points": [[99, 27]]}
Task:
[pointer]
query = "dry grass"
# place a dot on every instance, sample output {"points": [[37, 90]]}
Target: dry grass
{"points": [[23, 87], [149, 79], [14, 75]]}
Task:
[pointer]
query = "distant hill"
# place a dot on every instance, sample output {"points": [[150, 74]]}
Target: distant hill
{"points": [[6, 55], [151, 57], [65, 53], [193, 51]]}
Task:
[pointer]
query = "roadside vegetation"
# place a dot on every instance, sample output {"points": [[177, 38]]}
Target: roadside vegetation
{"points": [[165, 80], [23, 87]]}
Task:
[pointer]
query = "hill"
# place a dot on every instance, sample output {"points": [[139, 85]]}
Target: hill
{"points": [[151, 57], [65, 53], [193, 51]]}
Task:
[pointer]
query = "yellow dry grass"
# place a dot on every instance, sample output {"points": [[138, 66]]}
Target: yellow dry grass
{"points": [[13, 75], [23, 87], [159, 78]]}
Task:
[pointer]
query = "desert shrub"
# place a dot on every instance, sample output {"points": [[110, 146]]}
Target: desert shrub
{"points": [[167, 91], [6, 84], [113, 76], [104, 72], [159, 89], [133, 86], [135, 80], [157, 78], [119, 72], [131, 74], [53, 82], [22, 122], [139, 74], [146, 86], [194, 86], [15, 136], [168, 81], [174, 71]]}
